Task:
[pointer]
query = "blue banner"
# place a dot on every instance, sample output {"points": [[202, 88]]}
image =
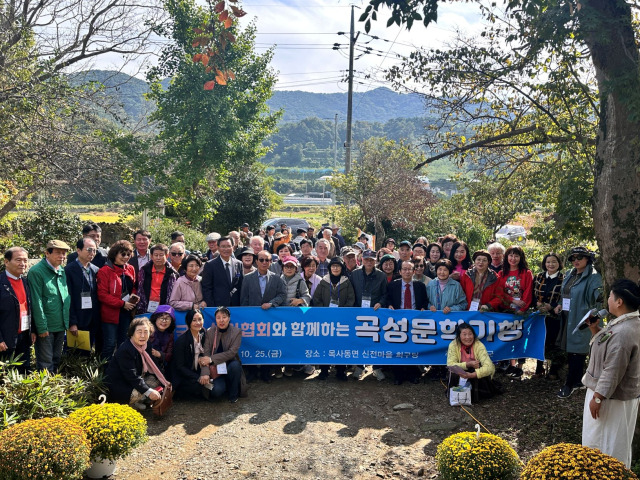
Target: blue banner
{"points": [[362, 336]]}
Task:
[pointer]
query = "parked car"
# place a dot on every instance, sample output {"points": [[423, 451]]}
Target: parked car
{"points": [[513, 233], [292, 223]]}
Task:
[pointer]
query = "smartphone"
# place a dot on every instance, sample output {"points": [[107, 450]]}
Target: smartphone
{"points": [[134, 299]]}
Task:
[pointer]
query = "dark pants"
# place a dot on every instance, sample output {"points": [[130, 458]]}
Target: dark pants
{"points": [[229, 383], [575, 369], [114, 334], [49, 351], [22, 348], [340, 369]]}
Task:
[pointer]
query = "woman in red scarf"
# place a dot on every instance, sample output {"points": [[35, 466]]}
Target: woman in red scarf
{"points": [[132, 376]]}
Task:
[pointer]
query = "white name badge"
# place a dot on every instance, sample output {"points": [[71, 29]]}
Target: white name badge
{"points": [[566, 304], [366, 302], [126, 298], [222, 368], [24, 322], [153, 306], [86, 301], [333, 304], [475, 303]]}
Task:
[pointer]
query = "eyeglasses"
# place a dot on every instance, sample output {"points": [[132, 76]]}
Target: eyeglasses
{"points": [[419, 266], [126, 254], [578, 257], [176, 254], [264, 260], [90, 249]]}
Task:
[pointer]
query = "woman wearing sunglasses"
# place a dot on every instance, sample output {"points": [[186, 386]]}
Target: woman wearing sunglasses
{"points": [[581, 291]]}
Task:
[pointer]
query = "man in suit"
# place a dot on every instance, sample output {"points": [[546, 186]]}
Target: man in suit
{"points": [[15, 309], [265, 289], [222, 277], [94, 232], [84, 313], [141, 254], [405, 293]]}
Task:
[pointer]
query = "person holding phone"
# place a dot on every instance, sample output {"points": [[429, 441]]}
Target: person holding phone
{"points": [[116, 292]]}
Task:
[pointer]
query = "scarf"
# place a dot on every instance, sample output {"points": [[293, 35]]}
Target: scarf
{"points": [[148, 365], [478, 286], [466, 353], [197, 350]]}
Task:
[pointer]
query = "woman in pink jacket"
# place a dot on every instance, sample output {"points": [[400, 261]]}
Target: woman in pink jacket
{"points": [[187, 291]]}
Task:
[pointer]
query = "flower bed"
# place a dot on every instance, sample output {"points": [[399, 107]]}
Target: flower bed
{"points": [[43, 449], [469, 456], [567, 460]]}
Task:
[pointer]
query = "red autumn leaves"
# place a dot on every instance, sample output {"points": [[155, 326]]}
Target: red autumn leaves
{"points": [[214, 43]]}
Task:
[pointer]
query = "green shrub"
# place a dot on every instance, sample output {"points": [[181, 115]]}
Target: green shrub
{"points": [[469, 456], [48, 448], [38, 395], [161, 230], [90, 369]]}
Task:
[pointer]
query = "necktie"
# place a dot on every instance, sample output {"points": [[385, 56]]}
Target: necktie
{"points": [[407, 297], [228, 272]]}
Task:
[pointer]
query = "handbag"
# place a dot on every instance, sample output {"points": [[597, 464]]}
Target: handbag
{"points": [[213, 369], [165, 403], [460, 394]]}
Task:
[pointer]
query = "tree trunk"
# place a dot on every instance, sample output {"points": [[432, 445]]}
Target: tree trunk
{"points": [[608, 32], [380, 233], [11, 204]]}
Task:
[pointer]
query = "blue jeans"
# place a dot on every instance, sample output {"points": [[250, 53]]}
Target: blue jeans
{"points": [[49, 351], [229, 383], [113, 335]]}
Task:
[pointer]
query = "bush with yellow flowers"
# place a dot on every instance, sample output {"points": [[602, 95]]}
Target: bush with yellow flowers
{"points": [[567, 460], [469, 456], [114, 430], [44, 449]]}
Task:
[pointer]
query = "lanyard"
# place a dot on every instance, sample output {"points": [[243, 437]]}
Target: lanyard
{"points": [[331, 291]]}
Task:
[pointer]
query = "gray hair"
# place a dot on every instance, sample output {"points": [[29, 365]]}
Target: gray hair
{"points": [[498, 246]]}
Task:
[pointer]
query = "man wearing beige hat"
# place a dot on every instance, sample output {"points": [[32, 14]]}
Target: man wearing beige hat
{"points": [[50, 305]]}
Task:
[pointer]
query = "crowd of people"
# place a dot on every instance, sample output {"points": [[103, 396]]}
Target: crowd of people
{"points": [[104, 292]]}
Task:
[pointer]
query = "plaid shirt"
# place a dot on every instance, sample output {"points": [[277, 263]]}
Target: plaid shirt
{"points": [[544, 291], [323, 268]]}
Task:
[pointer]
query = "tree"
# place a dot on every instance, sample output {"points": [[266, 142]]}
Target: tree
{"points": [[205, 136], [548, 42], [384, 186], [47, 134]]}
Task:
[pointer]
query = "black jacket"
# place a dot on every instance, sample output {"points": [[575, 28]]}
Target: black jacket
{"points": [[99, 260], [124, 373], [395, 295], [143, 284], [182, 370], [216, 289], [10, 310], [87, 319], [374, 285]]}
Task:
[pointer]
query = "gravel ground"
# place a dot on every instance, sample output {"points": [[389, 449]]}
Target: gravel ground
{"points": [[303, 428]]}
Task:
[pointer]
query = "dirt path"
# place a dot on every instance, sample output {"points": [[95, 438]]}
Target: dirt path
{"points": [[300, 428]]}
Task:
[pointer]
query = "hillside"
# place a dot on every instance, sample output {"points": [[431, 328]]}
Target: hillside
{"points": [[378, 105]]}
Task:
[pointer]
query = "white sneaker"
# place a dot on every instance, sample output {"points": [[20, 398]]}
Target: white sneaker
{"points": [[379, 374], [309, 369], [358, 372], [278, 372]]}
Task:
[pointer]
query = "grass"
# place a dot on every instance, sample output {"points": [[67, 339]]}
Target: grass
{"points": [[314, 215]]}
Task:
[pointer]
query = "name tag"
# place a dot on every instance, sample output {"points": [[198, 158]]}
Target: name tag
{"points": [[333, 304], [222, 368], [366, 302], [566, 304], [24, 322], [85, 299], [153, 306], [475, 303], [513, 305]]}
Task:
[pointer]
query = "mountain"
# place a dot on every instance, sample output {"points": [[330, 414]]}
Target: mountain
{"points": [[378, 105]]}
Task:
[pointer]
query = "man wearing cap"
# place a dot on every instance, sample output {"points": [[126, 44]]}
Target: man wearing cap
{"points": [[350, 261], [244, 231], [212, 242], [364, 240], [15, 308], [82, 274], [94, 232], [335, 234], [370, 287], [50, 303], [301, 233], [390, 244], [404, 253]]}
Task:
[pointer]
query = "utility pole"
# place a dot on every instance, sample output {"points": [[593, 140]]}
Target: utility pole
{"points": [[352, 43], [335, 142]]}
